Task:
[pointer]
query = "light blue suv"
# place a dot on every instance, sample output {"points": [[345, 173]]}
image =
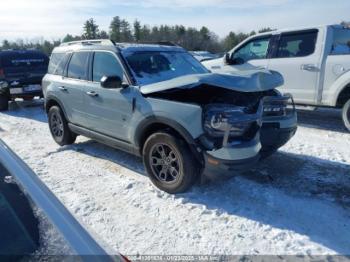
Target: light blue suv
{"points": [[157, 101]]}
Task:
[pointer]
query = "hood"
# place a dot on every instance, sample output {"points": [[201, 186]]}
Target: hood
{"points": [[241, 81]]}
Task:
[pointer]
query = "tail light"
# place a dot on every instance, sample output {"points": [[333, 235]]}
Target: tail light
{"points": [[2, 74]]}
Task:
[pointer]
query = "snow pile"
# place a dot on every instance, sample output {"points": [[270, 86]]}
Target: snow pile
{"points": [[296, 202]]}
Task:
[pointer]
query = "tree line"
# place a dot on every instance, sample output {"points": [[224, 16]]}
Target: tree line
{"points": [[120, 30]]}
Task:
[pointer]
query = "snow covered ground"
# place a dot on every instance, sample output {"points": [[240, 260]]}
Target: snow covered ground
{"points": [[296, 202]]}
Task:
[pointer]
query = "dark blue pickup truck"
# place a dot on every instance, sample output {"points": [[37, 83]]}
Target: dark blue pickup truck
{"points": [[21, 72]]}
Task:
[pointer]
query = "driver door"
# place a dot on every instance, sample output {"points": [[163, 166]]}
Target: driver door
{"points": [[252, 55], [108, 110]]}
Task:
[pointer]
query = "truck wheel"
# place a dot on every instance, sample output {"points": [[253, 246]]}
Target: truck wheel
{"points": [[346, 114], [169, 163], [267, 152], [4, 102], [59, 127]]}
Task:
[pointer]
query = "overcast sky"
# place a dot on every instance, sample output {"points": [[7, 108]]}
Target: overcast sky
{"points": [[52, 19]]}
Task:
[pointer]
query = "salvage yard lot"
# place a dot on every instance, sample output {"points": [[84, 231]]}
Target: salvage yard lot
{"points": [[295, 202]]}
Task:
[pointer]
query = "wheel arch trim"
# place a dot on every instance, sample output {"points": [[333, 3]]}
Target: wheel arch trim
{"points": [[151, 120], [54, 99]]}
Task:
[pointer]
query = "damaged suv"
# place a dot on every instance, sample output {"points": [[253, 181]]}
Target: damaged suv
{"points": [[157, 101]]}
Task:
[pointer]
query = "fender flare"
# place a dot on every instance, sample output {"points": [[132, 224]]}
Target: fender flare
{"points": [[56, 100], [148, 121], [338, 86]]}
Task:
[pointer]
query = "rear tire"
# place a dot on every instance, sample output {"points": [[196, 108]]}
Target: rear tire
{"points": [[169, 163], [59, 127], [4, 103], [346, 114]]}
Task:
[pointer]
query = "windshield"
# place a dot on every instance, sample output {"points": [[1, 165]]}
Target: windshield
{"points": [[150, 67]]}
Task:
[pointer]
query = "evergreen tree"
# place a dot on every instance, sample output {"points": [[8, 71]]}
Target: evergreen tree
{"points": [[146, 33], [103, 35], [6, 45], [265, 29], [115, 29], [125, 31], [137, 31], [90, 30]]}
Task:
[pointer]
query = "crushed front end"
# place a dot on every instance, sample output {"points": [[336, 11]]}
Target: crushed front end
{"points": [[237, 137]]}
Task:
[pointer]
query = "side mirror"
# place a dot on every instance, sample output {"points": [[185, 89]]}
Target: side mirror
{"points": [[227, 59], [111, 82], [237, 61]]}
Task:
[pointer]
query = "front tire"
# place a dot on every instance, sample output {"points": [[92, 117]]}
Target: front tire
{"points": [[346, 114], [59, 127], [169, 163], [4, 103]]}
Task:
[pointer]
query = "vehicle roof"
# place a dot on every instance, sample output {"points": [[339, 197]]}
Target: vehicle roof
{"points": [[20, 51], [108, 45], [283, 30]]}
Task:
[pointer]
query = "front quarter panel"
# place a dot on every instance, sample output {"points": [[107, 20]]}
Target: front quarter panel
{"points": [[187, 116]]}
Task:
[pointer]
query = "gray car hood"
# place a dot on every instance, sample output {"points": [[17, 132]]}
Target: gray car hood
{"points": [[242, 81]]}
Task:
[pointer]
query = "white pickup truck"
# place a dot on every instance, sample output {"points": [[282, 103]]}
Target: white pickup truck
{"points": [[314, 62]]}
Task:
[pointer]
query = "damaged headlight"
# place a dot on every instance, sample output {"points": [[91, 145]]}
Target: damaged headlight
{"points": [[277, 105], [219, 119], [277, 109]]}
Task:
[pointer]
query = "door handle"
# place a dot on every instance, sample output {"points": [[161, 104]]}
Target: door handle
{"points": [[62, 88], [92, 93], [309, 67]]}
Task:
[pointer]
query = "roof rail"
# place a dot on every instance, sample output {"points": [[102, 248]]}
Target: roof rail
{"points": [[168, 43], [90, 42]]}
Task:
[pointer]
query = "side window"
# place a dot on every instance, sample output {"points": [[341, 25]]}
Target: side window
{"points": [[78, 66], [54, 61], [255, 49], [105, 64], [341, 42], [57, 64], [296, 44]]}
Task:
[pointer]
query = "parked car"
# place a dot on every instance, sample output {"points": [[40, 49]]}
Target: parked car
{"points": [[314, 63], [160, 103], [204, 55], [20, 233], [21, 72]]}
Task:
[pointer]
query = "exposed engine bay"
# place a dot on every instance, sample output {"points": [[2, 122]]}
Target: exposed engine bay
{"points": [[204, 95], [228, 115]]}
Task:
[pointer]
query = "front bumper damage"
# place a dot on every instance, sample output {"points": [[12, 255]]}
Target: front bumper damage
{"points": [[275, 128]]}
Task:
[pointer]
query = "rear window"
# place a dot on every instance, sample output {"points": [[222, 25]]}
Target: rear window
{"points": [[297, 44], [58, 63], [341, 42], [23, 59], [78, 65]]}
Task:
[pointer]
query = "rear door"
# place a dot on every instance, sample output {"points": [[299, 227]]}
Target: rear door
{"points": [[337, 61], [73, 87], [297, 57], [108, 110]]}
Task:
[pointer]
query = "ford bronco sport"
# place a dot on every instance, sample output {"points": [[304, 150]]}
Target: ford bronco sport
{"points": [[157, 101]]}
